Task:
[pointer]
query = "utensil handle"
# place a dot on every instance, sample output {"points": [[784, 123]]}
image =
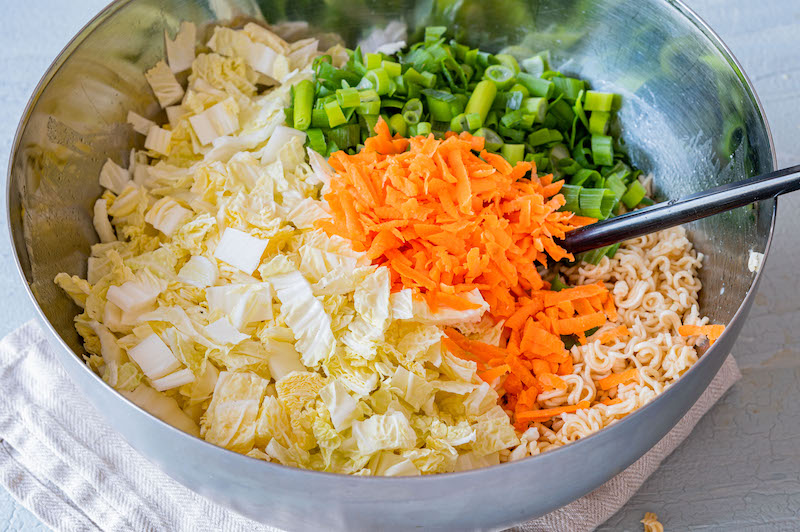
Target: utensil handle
{"points": [[680, 211]]}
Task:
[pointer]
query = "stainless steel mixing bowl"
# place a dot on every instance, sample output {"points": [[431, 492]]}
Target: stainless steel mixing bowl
{"points": [[690, 117]]}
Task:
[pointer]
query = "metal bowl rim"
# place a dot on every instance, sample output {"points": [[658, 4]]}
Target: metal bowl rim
{"points": [[115, 5]]}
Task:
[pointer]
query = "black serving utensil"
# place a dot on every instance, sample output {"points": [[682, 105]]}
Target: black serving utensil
{"points": [[680, 211]]}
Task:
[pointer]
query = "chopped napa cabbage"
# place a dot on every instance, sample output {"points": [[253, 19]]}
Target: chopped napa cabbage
{"points": [[297, 393], [383, 433], [180, 51], [163, 407], [306, 316], [101, 223], [222, 332], [114, 177], [413, 389], [241, 303], [166, 88], [282, 359], [199, 271], [217, 121], [113, 356], [138, 294], [140, 124], [230, 419], [257, 55], [167, 215], [392, 465], [175, 113], [154, 357], [342, 407], [280, 138], [306, 213], [173, 380], [240, 250], [402, 304], [158, 140]]}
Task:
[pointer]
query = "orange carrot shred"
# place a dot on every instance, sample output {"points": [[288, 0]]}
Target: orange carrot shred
{"points": [[616, 379]]}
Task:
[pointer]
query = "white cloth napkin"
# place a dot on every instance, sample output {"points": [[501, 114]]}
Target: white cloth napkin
{"points": [[60, 459]]}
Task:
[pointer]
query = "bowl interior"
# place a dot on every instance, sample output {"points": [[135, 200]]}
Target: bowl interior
{"points": [[689, 116]]}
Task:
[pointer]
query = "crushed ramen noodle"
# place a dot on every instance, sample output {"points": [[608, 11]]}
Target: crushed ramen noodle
{"points": [[655, 283], [651, 523]]}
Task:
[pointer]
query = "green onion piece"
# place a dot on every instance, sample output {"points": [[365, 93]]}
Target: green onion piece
{"points": [[647, 201], [557, 285], [319, 118], [426, 79], [615, 185], [484, 59], [303, 104], [568, 166], [598, 122], [591, 201], [434, 33], [579, 110], [398, 124], [492, 141], [424, 128], [412, 111], [288, 115], [572, 195], [373, 61], [459, 50], [348, 97], [570, 87], [612, 250], [563, 114], [599, 101], [542, 162], [481, 99], [316, 140], [535, 106], [491, 119], [501, 75], [513, 153], [368, 123], [465, 122], [335, 115], [346, 136], [585, 177], [513, 100], [515, 136], [519, 119], [517, 87], [392, 103], [509, 61], [536, 86], [596, 255], [380, 81], [440, 104], [539, 137], [392, 68], [471, 57], [537, 64], [602, 150], [609, 203], [634, 195]]}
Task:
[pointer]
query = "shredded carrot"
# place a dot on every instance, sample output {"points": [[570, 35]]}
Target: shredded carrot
{"points": [[712, 332], [447, 217], [547, 413], [616, 379], [613, 334], [609, 402]]}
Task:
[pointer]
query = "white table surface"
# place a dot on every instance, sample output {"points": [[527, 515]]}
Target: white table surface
{"points": [[740, 468]]}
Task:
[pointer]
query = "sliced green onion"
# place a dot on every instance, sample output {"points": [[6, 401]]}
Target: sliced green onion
{"points": [[585, 177], [316, 140], [568, 166], [519, 119], [481, 99], [319, 118], [465, 122], [509, 61], [602, 150], [537, 64], [513, 153], [335, 115], [536, 86], [535, 106], [563, 113], [579, 110], [424, 128], [349, 97], [569, 87], [513, 100], [572, 195], [368, 123], [398, 124], [598, 122], [412, 111], [440, 104], [392, 68], [615, 185], [392, 103], [491, 120], [492, 141], [517, 87], [544, 136], [593, 202], [557, 285], [500, 75], [515, 136], [373, 61], [369, 108], [426, 79], [634, 195], [647, 202], [598, 101], [380, 81], [609, 203], [434, 33], [345, 136], [303, 104]]}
